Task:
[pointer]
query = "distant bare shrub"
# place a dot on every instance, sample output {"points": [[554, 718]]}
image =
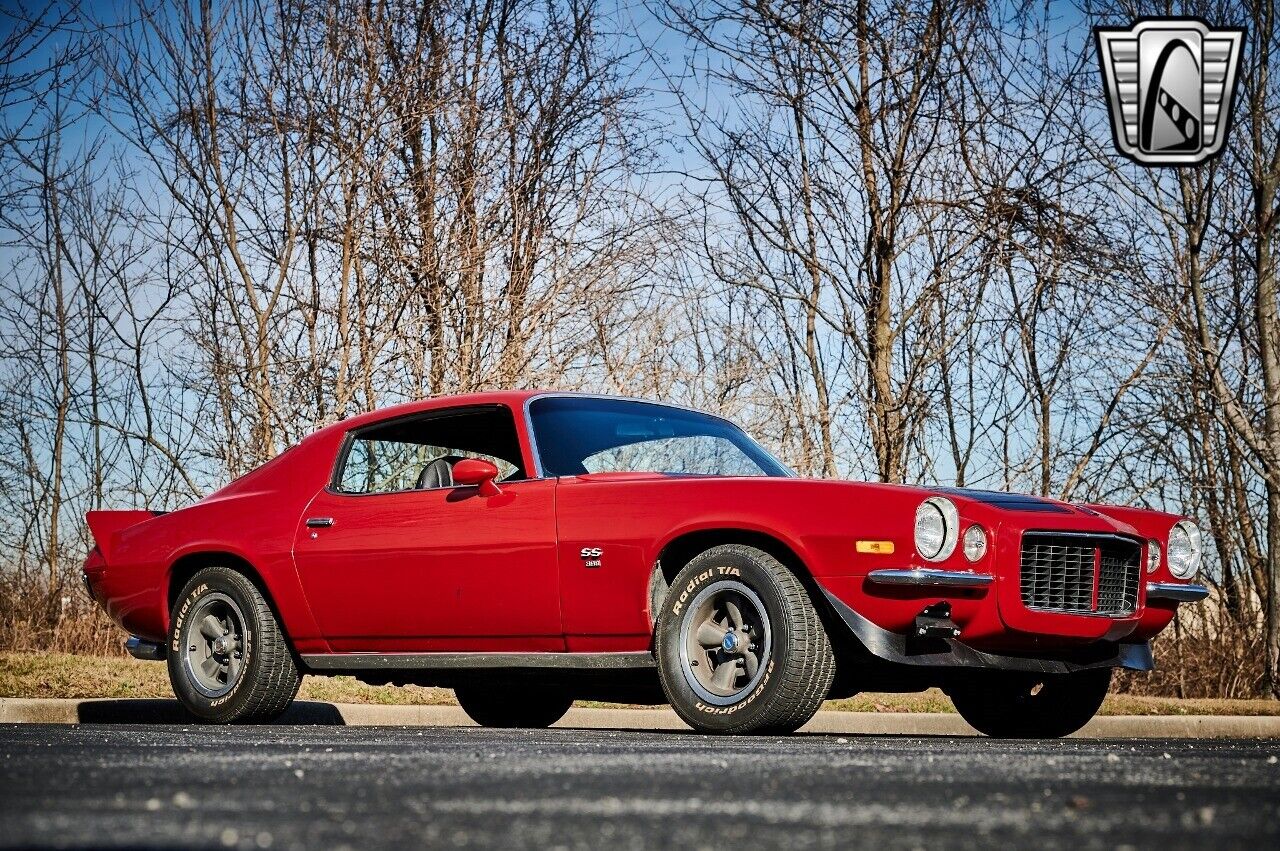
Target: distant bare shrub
{"points": [[1228, 665], [65, 620]]}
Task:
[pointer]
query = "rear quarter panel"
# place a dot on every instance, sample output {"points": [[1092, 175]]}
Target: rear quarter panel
{"points": [[254, 519]]}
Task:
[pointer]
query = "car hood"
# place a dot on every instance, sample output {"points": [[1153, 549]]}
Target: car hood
{"points": [[1017, 502], [1025, 510]]}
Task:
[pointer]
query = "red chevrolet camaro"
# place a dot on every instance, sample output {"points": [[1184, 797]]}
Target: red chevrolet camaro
{"points": [[530, 549]]}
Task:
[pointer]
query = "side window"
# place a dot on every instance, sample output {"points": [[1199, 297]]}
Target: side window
{"points": [[419, 453]]}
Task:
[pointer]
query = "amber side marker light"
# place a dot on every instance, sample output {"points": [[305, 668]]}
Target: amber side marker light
{"points": [[884, 548]]}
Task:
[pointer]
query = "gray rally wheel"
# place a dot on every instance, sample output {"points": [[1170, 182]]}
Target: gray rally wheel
{"points": [[740, 646], [227, 655]]}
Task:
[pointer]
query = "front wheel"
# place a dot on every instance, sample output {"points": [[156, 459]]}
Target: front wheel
{"points": [[1010, 705], [740, 646], [228, 658], [531, 707]]}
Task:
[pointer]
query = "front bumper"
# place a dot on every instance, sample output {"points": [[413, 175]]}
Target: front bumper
{"points": [[1178, 592], [1033, 593], [950, 652], [931, 578]]}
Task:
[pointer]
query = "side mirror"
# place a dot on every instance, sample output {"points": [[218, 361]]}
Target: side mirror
{"points": [[474, 471]]}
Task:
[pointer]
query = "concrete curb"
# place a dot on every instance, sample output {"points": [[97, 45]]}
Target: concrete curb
{"points": [[14, 710]]}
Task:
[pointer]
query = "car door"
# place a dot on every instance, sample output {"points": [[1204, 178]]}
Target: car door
{"points": [[394, 560]]}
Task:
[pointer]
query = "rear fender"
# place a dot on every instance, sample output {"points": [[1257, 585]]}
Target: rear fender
{"points": [[273, 572]]}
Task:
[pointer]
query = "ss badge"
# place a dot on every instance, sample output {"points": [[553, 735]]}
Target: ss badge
{"points": [[591, 556]]}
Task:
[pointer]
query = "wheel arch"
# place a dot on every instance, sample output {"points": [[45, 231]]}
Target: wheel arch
{"points": [[189, 564], [682, 548]]}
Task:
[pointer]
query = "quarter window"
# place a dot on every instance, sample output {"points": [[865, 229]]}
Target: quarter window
{"points": [[419, 453]]}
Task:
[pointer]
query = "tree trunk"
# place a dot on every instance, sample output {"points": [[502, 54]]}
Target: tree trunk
{"points": [[1266, 182], [1269, 345]]}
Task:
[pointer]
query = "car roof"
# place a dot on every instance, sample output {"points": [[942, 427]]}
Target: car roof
{"points": [[515, 399], [512, 398]]}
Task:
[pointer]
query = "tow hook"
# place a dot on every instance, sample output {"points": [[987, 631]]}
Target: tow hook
{"points": [[935, 622]]}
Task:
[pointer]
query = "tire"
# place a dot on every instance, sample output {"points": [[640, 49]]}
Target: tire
{"points": [[491, 706], [1017, 706], [738, 591], [228, 658]]}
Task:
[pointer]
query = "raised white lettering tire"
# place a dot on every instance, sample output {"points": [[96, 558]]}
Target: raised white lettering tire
{"points": [[228, 658], [740, 646]]}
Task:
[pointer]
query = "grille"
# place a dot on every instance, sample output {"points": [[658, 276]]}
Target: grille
{"points": [[1080, 574]]}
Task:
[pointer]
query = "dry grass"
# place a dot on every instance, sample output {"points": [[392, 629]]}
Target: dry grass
{"points": [[934, 700], [68, 675], [37, 617], [75, 676]]}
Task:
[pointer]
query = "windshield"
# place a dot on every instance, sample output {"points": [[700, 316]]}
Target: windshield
{"points": [[577, 435]]}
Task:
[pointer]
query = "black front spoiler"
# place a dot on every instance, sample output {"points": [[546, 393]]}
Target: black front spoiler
{"points": [[951, 653]]}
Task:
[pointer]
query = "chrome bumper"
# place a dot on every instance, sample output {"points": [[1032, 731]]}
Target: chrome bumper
{"points": [[1176, 591], [931, 578], [140, 648]]}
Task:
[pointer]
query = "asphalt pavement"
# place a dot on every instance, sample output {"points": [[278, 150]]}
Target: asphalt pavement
{"points": [[326, 787]]}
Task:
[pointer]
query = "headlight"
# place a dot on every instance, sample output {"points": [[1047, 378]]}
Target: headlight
{"points": [[937, 527], [1184, 549], [975, 543], [1153, 555]]}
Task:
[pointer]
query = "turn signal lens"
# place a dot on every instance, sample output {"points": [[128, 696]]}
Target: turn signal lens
{"points": [[975, 543], [884, 548]]}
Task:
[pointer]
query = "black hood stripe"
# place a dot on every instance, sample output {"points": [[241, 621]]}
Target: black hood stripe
{"points": [[1008, 501]]}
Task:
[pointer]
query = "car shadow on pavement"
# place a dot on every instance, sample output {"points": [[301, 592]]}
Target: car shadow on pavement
{"points": [[155, 711], [799, 735]]}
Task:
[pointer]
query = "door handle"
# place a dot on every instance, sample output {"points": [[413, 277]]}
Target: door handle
{"points": [[319, 522]]}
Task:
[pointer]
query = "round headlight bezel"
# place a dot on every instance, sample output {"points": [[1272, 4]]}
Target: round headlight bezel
{"points": [[945, 510], [974, 543], [1184, 567]]}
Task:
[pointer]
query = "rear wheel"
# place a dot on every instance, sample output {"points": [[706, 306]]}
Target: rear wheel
{"points": [[494, 706], [228, 658], [741, 648], [1010, 705]]}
